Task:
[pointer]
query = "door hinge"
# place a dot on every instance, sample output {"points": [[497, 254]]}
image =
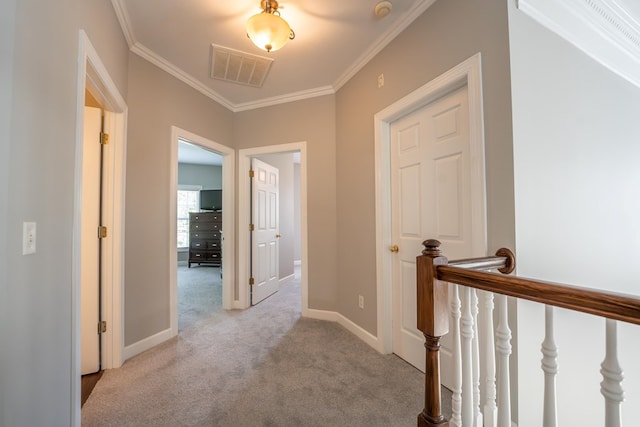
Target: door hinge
{"points": [[251, 173], [251, 227], [102, 232], [102, 327], [251, 281], [104, 138]]}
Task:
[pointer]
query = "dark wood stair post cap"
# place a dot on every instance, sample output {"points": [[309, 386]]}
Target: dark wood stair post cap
{"points": [[431, 248]]}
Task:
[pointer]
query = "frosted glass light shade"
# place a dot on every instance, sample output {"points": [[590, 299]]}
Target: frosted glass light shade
{"points": [[268, 31]]}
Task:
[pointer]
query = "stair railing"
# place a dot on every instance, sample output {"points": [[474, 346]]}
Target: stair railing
{"points": [[435, 273]]}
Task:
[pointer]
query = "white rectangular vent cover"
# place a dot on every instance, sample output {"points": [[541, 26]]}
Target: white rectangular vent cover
{"points": [[238, 67]]}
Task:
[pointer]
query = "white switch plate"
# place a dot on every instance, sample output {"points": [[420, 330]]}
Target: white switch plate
{"points": [[380, 81], [28, 238], [360, 301]]}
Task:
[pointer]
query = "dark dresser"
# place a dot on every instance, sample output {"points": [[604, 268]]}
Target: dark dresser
{"points": [[205, 238]]}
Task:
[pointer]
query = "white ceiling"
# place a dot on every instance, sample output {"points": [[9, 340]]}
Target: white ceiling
{"points": [[334, 39], [196, 155]]}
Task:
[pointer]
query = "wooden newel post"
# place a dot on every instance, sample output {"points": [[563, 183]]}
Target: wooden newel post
{"points": [[433, 321]]}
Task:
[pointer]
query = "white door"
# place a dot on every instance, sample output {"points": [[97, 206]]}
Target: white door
{"points": [[431, 198], [264, 238], [90, 243]]}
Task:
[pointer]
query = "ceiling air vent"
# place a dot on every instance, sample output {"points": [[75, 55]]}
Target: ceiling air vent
{"points": [[238, 67]]}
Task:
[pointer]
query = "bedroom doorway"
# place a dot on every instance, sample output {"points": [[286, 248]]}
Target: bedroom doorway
{"points": [[280, 156], [202, 209], [199, 234]]}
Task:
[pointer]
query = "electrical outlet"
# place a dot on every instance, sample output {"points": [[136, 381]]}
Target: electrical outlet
{"points": [[28, 238], [360, 301], [380, 81]]}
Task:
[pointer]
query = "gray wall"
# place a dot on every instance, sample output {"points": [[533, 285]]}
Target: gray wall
{"points": [[576, 156], [284, 163], [447, 34], [7, 19], [311, 120], [156, 102], [209, 176], [35, 379]]}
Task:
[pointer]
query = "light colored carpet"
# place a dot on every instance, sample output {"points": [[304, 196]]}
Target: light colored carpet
{"points": [[199, 294], [265, 366]]}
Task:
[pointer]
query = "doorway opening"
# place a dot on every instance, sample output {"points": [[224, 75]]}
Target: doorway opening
{"points": [[199, 234], [202, 241], [298, 153], [94, 79]]}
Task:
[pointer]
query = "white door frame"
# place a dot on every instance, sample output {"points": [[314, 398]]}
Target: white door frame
{"points": [[469, 73], [244, 195], [93, 75], [228, 219]]}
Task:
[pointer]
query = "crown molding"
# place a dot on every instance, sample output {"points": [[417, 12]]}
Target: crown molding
{"points": [[165, 65], [602, 29], [176, 72], [283, 99], [382, 42], [125, 21]]}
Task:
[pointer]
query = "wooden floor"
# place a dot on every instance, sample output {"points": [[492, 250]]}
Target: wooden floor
{"points": [[88, 383]]}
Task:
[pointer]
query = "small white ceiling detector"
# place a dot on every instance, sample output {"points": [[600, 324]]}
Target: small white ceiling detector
{"points": [[383, 8]]}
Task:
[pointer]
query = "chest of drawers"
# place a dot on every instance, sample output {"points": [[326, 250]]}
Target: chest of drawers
{"points": [[205, 238]]}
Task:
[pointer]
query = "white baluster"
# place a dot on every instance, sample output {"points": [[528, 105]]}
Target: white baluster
{"points": [[503, 350], [477, 415], [467, 363], [456, 398], [612, 376], [550, 368], [490, 408]]}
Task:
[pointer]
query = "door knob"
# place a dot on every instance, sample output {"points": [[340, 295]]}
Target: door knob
{"points": [[278, 236], [394, 248]]}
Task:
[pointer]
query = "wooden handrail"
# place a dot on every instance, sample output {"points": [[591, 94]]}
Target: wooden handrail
{"points": [[598, 302], [434, 272]]}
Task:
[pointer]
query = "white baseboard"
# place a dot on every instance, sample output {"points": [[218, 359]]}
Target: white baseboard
{"points": [[360, 332], [330, 316], [348, 324], [287, 278], [147, 343]]}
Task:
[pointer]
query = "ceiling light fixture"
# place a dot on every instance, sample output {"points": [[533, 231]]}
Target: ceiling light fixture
{"points": [[267, 29]]}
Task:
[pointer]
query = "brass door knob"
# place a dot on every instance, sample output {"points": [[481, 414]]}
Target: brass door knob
{"points": [[394, 248], [278, 236]]}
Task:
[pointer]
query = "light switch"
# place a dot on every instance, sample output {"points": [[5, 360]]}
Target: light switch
{"points": [[28, 238]]}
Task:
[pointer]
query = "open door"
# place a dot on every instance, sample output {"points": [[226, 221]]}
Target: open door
{"points": [[431, 197], [265, 231], [90, 271]]}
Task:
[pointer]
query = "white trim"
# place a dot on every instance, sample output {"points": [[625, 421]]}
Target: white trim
{"points": [[228, 219], [147, 343], [93, 75], [417, 9], [469, 73], [244, 193], [283, 99], [146, 53], [329, 316], [297, 262], [286, 279], [348, 324], [125, 21], [601, 28]]}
